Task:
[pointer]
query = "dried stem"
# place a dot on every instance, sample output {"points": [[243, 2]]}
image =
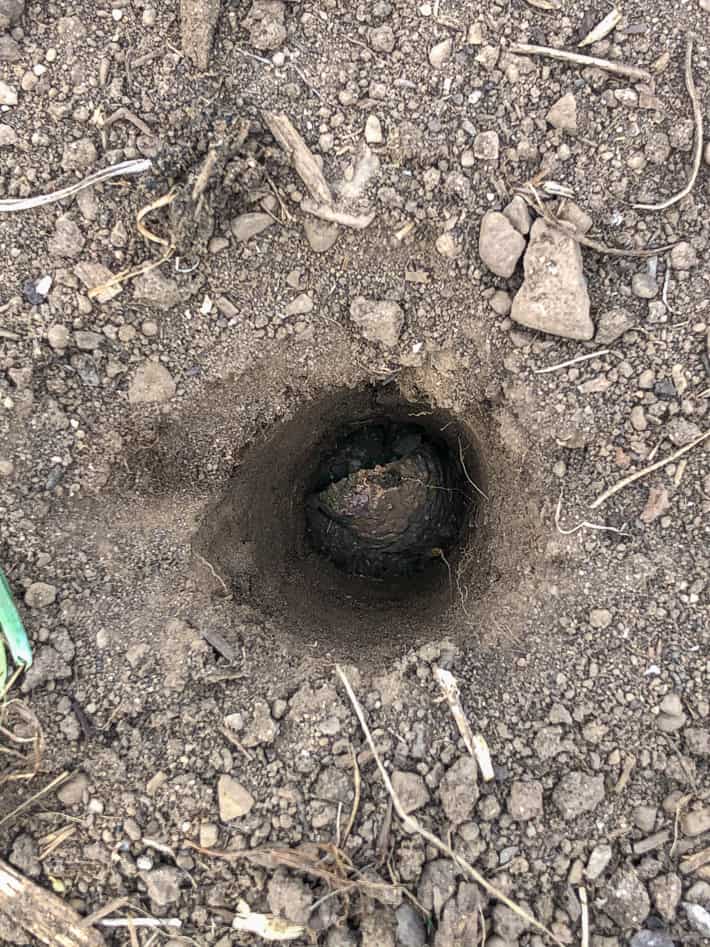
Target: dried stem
{"points": [[412, 825], [698, 144], [617, 68]]}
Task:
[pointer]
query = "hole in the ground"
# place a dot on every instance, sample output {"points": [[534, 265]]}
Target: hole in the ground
{"points": [[356, 522], [387, 497]]}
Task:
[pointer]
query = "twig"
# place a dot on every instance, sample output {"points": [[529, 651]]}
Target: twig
{"points": [[617, 68], [584, 901], [602, 29], [698, 144], [38, 795], [466, 474], [300, 154], [629, 764], [645, 471], [173, 922], [113, 905], [571, 361], [583, 524], [126, 275], [148, 209], [666, 284], [214, 572], [10, 336], [531, 196], [476, 746], [357, 779], [227, 734], [335, 216], [135, 166], [682, 803], [59, 839], [124, 114], [412, 825]]}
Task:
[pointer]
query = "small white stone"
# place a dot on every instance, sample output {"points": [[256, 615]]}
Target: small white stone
{"points": [[441, 53]]}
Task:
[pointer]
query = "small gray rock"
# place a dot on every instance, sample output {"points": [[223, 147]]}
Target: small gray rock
{"points": [[262, 728], [410, 927], [500, 245], [525, 800], [598, 860], [518, 214], [644, 286], [67, 240], [379, 321], [683, 256], [96, 274], [265, 22], [320, 235], [501, 302], [563, 114], [458, 790], [234, 800], [155, 289], [665, 893], [411, 789], [24, 856], [40, 595], [695, 822], [382, 39], [441, 53], [249, 225], [698, 918], [436, 885], [163, 885], [612, 324], [87, 341], [10, 13], [9, 49], [553, 297], [72, 792], [152, 384], [8, 136], [486, 146], [651, 939], [626, 902], [577, 793], [681, 431], [289, 897], [8, 95], [697, 739], [79, 155]]}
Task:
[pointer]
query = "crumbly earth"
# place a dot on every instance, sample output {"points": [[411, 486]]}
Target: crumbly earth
{"points": [[582, 654]]}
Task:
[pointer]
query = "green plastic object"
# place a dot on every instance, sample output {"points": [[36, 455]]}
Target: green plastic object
{"points": [[12, 628]]}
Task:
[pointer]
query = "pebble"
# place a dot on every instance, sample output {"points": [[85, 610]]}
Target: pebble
{"points": [[651, 939], [681, 431], [382, 39], [665, 892], [411, 931], [411, 789], [209, 834], [265, 22], [7, 468], [683, 256], [563, 114], [577, 793], [152, 383], [501, 302], [8, 95], [40, 595], [695, 822], [96, 274], [87, 341], [8, 136], [79, 155], [320, 235], [300, 305], [234, 800], [644, 286], [698, 918], [486, 146], [518, 214], [155, 289], [697, 741], [638, 418], [163, 885], [612, 324], [600, 618], [598, 861], [249, 225], [448, 246], [9, 49], [525, 800], [379, 321], [73, 790], [553, 297], [441, 53], [373, 130], [458, 790], [627, 901], [500, 245]]}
